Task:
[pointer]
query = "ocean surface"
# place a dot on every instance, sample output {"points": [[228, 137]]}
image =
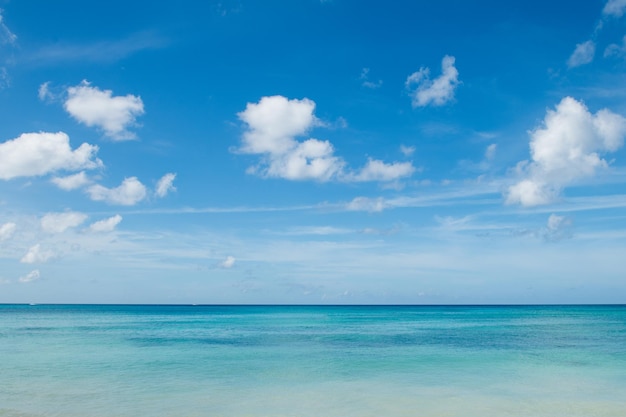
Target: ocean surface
{"points": [[318, 361]]}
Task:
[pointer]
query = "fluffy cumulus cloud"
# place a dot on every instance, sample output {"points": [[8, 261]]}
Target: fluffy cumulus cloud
{"points": [[36, 255], [565, 149], [272, 127], [614, 8], [7, 230], [165, 185], [94, 107], [60, 222], [34, 154], [437, 92], [106, 225], [228, 263], [583, 54], [30, 277], [129, 193], [71, 182]]}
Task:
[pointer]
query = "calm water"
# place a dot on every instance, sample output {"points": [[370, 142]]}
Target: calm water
{"points": [[118, 361]]}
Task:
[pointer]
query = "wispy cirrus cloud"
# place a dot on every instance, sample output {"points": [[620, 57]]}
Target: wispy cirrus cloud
{"points": [[165, 185], [106, 51], [583, 54]]}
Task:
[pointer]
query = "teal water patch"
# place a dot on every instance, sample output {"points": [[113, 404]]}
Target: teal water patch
{"points": [[101, 361]]}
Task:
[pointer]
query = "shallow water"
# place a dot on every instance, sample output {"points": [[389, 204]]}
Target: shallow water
{"points": [[97, 361]]}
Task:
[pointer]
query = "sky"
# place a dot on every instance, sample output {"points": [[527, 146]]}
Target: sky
{"points": [[313, 152]]}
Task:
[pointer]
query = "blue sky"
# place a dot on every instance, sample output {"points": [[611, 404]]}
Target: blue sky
{"points": [[311, 151]]}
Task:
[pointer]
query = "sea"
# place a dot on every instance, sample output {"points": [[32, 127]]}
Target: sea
{"points": [[317, 361]]}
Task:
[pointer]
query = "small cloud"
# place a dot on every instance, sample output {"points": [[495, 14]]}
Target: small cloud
{"points": [[558, 228], [36, 255], [437, 92], [376, 170], [407, 150], [616, 49], [129, 193], [366, 204], [94, 107], [44, 92], [6, 36], [583, 54], [365, 82], [614, 8], [490, 152], [165, 185], [106, 225], [30, 277], [60, 222], [227, 263], [7, 230], [71, 182]]}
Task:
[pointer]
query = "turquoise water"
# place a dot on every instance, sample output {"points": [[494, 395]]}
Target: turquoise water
{"points": [[96, 361]]}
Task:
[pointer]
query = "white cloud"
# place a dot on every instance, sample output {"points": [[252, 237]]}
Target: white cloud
{"points": [[106, 225], [366, 204], [436, 92], [7, 230], [616, 49], [129, 193], [36, 255], [376, 170], [97, 52], [565, 149], [490, 152], [44, 92], [309, 160], [33, 154], [227, 263], [614, 8], [273, 124], [365, 82], [71, 182], [558, 228], [6, 36], [165, 185], [95, 107], [583, 54], [60, 222], [407, 150], [30, 277]]}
